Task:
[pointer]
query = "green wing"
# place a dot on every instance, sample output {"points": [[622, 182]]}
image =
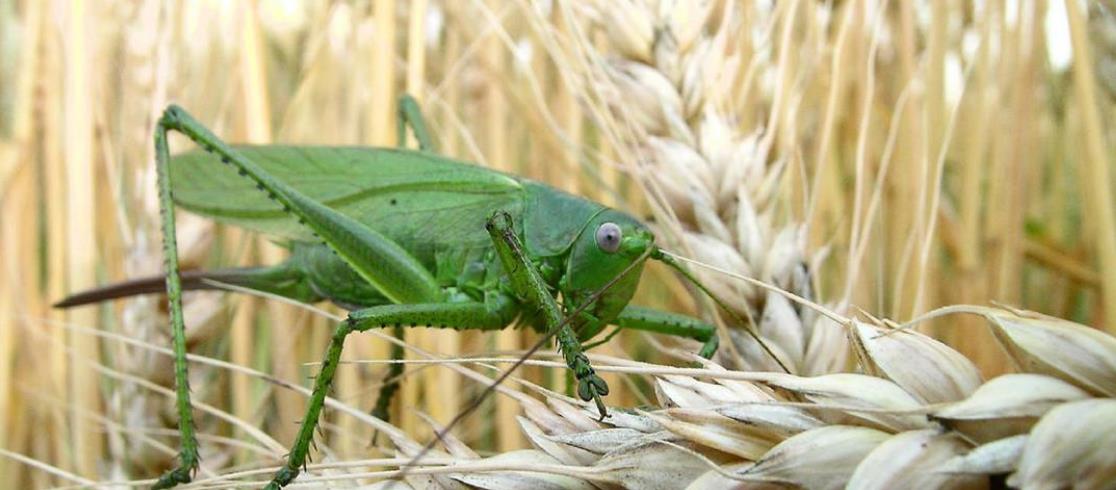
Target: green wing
{"points": [[422, 201]]}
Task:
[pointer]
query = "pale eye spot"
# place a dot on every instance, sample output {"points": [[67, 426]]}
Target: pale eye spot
{"points": [[608, 237]]}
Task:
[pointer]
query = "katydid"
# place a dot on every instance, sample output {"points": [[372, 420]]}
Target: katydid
{"points": [[402, 238]]}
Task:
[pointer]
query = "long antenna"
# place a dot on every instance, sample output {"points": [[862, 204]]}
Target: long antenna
{"points": [[750, 325]]}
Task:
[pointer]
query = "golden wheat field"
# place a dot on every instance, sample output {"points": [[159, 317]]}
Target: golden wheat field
{"points": [[910, 203]]}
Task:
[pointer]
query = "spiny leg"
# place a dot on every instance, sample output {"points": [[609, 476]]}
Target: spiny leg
{"points": [[528, 283], [188, 454], [382, 409], [651, 320], [387, 266], [383, 263], [494, 315]]}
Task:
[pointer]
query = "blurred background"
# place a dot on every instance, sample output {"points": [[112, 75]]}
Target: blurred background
{"points": [[891, 158]]}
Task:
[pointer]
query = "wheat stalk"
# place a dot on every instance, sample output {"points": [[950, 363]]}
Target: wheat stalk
{"points": [[923, 421], [918, 413], [668, 78], [736, 120]]}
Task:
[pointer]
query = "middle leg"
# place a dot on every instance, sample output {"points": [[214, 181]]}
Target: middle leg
{"points": [[651, 320], [493, 315]]}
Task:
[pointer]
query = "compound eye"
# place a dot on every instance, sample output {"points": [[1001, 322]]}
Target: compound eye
{"points": [[608, 237]]}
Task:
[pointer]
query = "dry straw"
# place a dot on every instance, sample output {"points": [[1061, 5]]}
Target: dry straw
{"points": [[877, 158]]}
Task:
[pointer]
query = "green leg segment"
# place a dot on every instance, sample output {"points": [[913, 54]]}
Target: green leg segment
{"points": [[188, 455], [380, 261], [649, 320], [529, 285], [377, 259], [382, 409], [409, 113], [494, 315], [602, 341]]}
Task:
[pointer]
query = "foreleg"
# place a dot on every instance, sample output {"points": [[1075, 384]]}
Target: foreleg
{"points": [[528, 284]]}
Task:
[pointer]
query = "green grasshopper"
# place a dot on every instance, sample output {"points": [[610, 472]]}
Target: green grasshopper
{"points": [[402, 238]]}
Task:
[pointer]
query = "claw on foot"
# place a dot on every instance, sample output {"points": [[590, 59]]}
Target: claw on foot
{"points": [[282, 477], [179, 475], [375, 442], [592, 387], [710, 347], [381, 413], [600, 407]]}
